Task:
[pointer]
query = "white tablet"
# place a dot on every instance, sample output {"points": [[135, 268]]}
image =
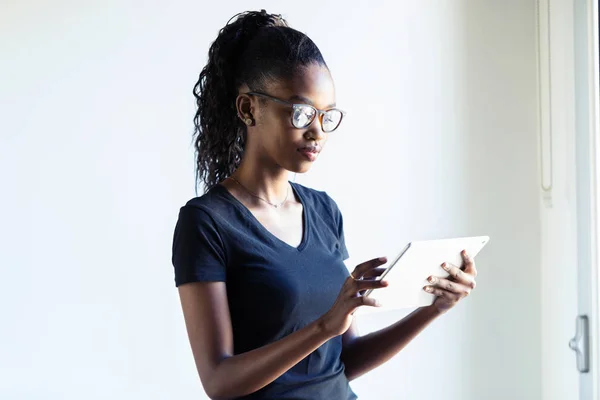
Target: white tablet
{"points": [[408, 272]]}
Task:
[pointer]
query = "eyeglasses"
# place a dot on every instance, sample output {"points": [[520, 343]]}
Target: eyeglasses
{"points": [[304, 114]]}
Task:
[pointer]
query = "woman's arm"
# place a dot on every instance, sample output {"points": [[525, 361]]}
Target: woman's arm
{"points": [[223, 375], [364, 353], [361, 354]]}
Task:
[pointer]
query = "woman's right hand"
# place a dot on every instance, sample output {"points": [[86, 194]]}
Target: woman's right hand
{"points": [[338, 319]]}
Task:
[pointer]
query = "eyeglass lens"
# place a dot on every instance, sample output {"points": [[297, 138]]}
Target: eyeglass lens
{"points": [[304, 115]]}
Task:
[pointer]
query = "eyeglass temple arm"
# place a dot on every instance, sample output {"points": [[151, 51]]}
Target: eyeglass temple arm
{"points": [[275, 99]]}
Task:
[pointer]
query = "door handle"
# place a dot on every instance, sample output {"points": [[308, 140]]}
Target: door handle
{"points": [[580, 344]]}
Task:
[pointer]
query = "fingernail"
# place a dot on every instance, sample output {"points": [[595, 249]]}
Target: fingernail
{"points": [[428, 289], [445, 266], [431, 279], [383, 259]]}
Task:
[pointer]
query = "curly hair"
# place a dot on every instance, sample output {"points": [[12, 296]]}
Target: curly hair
{"points": [[253, 49]]}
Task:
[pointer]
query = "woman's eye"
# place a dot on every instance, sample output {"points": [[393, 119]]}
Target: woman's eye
{"points": [[303, 116]]}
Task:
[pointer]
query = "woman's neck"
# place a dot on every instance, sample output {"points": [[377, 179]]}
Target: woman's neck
{"points": [[272, 186]]}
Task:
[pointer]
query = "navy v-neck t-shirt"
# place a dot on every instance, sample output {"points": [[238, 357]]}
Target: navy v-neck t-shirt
{"points": [[273, 288]]}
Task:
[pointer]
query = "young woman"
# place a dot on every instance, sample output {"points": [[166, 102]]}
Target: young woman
{"points": [[259, 260]]}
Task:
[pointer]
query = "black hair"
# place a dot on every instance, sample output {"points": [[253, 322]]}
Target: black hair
{"points": [[253, 49]]}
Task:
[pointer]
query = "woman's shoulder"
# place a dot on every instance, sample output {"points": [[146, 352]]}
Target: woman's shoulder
{"points": [[318, 198], [211, 204]]}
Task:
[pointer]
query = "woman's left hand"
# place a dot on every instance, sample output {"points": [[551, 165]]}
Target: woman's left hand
{"points": [[456, 287]]}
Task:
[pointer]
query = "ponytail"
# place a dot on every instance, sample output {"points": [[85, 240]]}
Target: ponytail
{"points": [[254, 48]]}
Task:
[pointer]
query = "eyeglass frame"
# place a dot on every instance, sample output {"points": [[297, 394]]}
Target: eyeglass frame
{"points": [[318, 113]]}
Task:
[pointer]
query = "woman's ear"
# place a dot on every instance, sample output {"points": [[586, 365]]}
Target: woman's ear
{"points": [[243, 105]]}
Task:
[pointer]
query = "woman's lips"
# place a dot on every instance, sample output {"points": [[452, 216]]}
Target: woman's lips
{"points": [[309, 154]]}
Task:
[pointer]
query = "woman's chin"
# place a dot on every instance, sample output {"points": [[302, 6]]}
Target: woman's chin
{"points": [[300, 168], [300, 164]]}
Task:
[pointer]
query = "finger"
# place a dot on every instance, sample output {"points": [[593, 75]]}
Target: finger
{"points": [[453, 287], [371, 275], [363, 268], [439, 292], [369, 284], [374, 273], [469, 263], [459, 275]]}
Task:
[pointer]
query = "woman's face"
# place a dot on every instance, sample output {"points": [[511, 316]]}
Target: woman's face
{"points": [[273, 138]]}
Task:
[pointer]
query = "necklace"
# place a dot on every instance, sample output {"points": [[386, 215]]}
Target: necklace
{"points": [[274, 205]]}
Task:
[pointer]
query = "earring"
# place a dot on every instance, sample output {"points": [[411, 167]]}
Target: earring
{"points": [[247, 120]]}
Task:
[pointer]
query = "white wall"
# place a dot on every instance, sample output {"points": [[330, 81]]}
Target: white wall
{"points": [[96, 159]]}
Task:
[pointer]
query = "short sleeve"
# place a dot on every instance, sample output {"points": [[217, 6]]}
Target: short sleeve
{"points": [[198, 251], [343, 249], [339, 222]]}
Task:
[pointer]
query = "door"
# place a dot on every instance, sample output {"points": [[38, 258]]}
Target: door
{"points": [[587, 143]]}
